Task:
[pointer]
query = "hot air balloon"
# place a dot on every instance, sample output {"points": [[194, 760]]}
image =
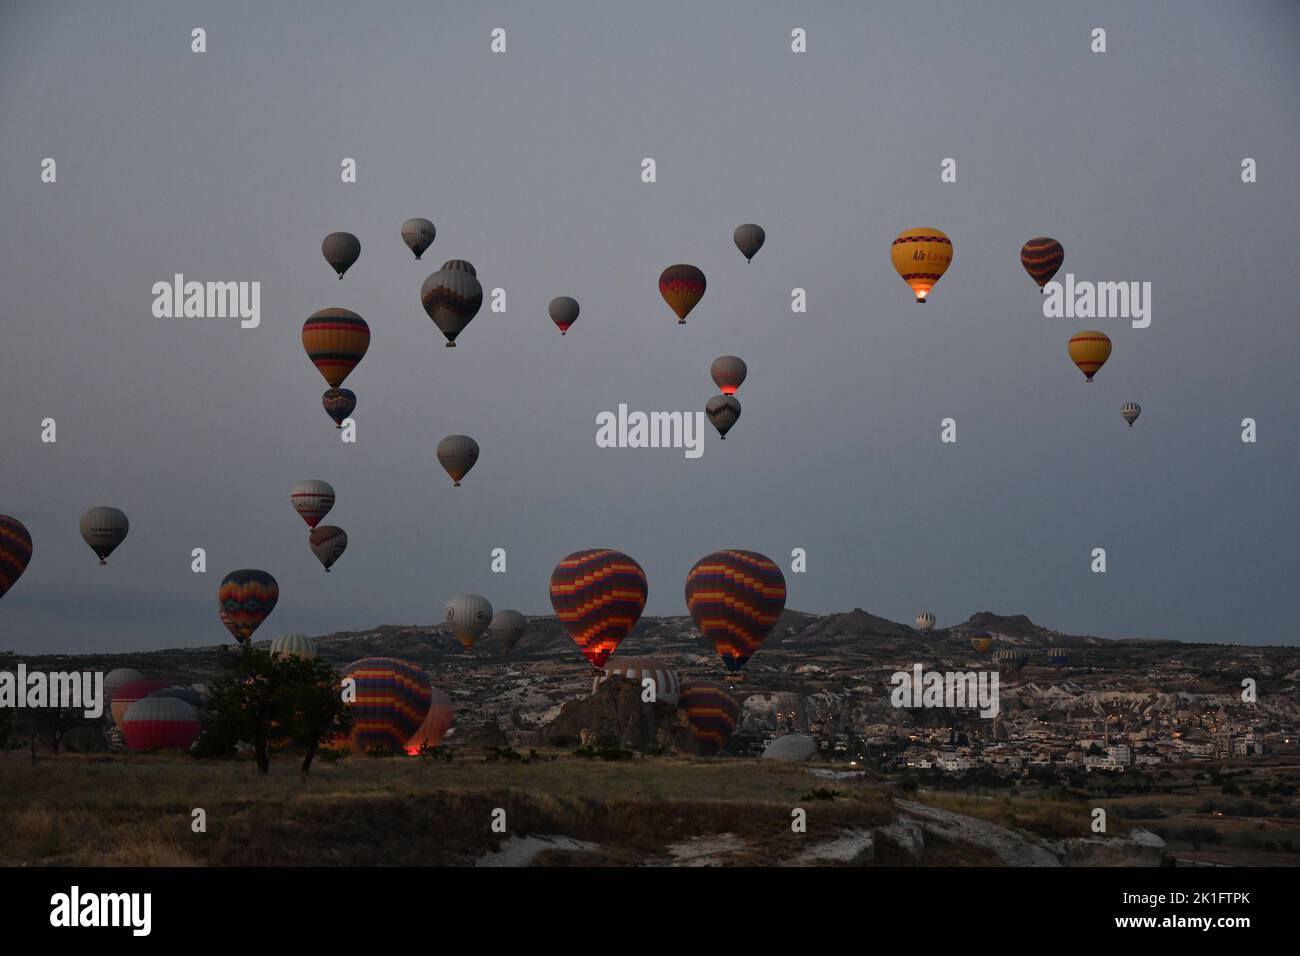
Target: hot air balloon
{"points": [[1041, 257], [1010, 660], [507, 627], [728, 373], [735, 598], [15, 551], [981, 641], [1130, 411], [925, 622], [1089, 351], [339, 403], [682, 287], [639, 670], [749, 238], [130, 692], [247, 597], [391, 703], [564, 312], [104, 529], [452, 297], [160, 723], [436, 723], [723, 412], [467, 616], [921, 257], [328, 542], [340, 250], [457, 455], [335, 340], [418, 234], [598, 595], [1058, 656], [312, 499], [115, 680], [711, 713], [294, 645]]}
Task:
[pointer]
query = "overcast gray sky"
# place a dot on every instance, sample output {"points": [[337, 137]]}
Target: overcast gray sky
{"points": [[225, 166]]}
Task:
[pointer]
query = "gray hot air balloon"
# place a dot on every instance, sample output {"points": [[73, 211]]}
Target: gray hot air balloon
{"points": [[104, 529], [1130, 411], [452, 297], [340, 249], [728, 373], [925, 622], [508, 627], [293, 645], [564, 312], [723, 410], [749, 238], [1011, 660], [457, 455], [418, 234], [468, 616], [328, 543]]}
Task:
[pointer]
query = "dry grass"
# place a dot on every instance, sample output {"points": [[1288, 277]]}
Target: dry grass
{"points": [[1050, 819]]}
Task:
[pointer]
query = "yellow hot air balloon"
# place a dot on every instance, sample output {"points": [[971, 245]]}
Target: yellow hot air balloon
{"points": [[1089, 351], [921, 257]]}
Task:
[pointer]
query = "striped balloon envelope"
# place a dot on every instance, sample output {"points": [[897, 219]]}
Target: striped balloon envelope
{"points": [[436, 723], [711, 713], [15, 551], [312, 499], [1089, 351], [682, 287], [1130, 411], [640, 669], [735, 598], [1041, 257], [335, 340], [246, 598], [1058, 656], [391, 703], [921, 257], [452, 297], [1011, 660], [598, 595]]}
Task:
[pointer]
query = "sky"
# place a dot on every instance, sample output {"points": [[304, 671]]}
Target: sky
{"points": [[225, 166]]}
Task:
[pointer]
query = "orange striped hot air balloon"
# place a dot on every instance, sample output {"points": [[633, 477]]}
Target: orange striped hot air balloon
{"points": [[711, 713], [735, 598], [682, 287], [392, 702], [598, 596], [1089, 351], [335, 340], [921, 257]]}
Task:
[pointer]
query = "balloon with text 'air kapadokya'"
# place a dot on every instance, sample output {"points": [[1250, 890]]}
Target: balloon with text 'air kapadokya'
{"points": [[749, 238], [981, 642], [564, 312], [104, 529], [312, 499], [1089, 351], [418, 234], [15, 551], [339, 403], [327, 542], [736, 598], [467, 616], [246, 598], [392, 699], [340, 250], [1042, 257], [711, 713], [452, 297], [925, 622], [507, 627], [336, 340], [598, 595], [682, 287], [921, 257]]}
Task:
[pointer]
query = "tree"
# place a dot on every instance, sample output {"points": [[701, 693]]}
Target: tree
{"points": [[259, 700]]}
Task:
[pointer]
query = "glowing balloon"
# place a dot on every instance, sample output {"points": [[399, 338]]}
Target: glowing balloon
{"points": [[598, 596], [921, 257]]}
